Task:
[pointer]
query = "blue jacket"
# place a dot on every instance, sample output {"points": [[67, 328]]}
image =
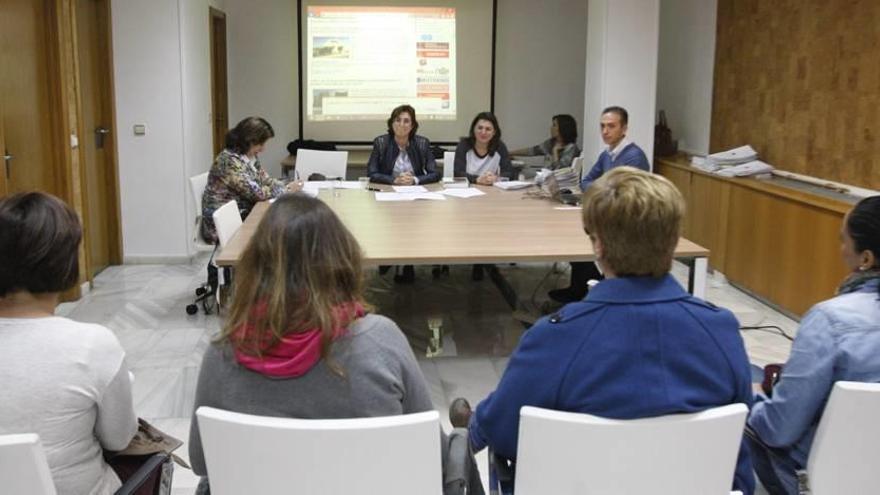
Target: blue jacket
{"points": [[838, 339], [381, 164], [636, 347], [630, 155]]}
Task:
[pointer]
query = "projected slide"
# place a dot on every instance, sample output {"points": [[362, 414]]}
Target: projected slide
{"points": [[364, 61]]}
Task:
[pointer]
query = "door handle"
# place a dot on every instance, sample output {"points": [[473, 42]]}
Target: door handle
{"points": [[7, 157], [100, 132]]}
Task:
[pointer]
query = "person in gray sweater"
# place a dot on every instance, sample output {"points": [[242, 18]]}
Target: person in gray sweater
{"points": [[299, 341]]}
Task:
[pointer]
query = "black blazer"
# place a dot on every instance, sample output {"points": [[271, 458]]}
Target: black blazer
{"points": [[381, 165]]}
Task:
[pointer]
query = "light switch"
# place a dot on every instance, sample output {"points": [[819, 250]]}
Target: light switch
{"points": [[74, 141], [140, 129]]}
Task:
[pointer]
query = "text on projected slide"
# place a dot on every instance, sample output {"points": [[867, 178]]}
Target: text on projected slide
{"points": [[364, 61]]}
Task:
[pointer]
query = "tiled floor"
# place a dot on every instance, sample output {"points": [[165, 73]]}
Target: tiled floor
{"points": [[144, 306]]}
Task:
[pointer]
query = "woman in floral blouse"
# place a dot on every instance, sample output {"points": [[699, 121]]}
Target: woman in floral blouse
{"points": [[237, 174]]}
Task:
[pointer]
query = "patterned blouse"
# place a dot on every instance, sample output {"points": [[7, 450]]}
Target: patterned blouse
{"points": [[566, 155], [233, 177]]}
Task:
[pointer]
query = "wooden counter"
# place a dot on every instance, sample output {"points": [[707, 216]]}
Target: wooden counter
{"points": [[779, 242]]}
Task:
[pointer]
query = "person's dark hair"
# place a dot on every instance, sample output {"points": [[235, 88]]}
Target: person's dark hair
{"points": [[249, 132], [863, 225], [568, 128], [412, 114], [620, 111], [39, 244], [493, 143]]}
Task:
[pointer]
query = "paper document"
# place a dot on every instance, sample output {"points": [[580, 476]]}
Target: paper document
{"points": [[410, 189], [408, 196], [463, 193], [513, 184]]}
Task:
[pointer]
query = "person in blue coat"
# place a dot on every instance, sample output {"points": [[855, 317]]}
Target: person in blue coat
{"points": [[639, 345], [620, 151]]}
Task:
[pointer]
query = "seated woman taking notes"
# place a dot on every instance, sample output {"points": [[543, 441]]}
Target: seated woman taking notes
{"points": [[400, 156], [482, 156]]}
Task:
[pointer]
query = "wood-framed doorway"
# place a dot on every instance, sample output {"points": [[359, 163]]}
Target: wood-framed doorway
{"points": [[219, 79]]}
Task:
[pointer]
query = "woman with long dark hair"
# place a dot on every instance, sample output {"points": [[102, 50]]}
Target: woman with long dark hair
{"points": [[482, 156], [838, 339], [561, 148], [299, 340]]}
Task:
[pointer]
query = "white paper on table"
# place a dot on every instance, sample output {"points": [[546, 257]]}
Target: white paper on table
{"points": [[511, 185], [328, 184], [410, 189], [463, 193], [397, 196]]}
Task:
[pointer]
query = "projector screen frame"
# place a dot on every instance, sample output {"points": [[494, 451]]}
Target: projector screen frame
{"points": [[299, 63]]}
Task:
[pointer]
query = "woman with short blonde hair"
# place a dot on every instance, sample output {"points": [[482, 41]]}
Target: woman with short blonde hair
{"points": [[634, 220]]}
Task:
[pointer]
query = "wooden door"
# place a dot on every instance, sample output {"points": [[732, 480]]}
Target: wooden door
{"points": [[219, 99], [97, 139], [25, 98]]}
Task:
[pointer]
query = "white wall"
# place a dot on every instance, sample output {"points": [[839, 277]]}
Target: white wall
{"points": [[147, 77], [262, 47], [685, 74], [161, 59], [621, 68], [539, 67]]}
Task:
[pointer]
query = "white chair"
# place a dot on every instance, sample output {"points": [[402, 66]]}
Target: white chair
{"points": [[197, 184], [843, 458], [331, 164], [682, 454], [227, 220], [23, 466], [448, 164], [577, 165], [205, 293], [393, 455]]}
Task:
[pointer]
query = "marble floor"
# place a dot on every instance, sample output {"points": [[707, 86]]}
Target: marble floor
{"points": [[145, 306]]}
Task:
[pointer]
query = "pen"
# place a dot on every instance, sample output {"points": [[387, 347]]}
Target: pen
{"points": [[374, 189]]}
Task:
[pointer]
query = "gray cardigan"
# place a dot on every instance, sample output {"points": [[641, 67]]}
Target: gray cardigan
{"points": [[382, 378]]}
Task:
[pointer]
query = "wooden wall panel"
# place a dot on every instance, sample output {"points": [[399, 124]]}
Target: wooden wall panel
{"points": [[799, 80]]}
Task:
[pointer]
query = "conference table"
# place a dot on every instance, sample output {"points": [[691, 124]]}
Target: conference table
{"points": [[497, 227]]}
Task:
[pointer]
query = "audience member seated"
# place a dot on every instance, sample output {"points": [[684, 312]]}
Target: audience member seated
{"points": [[561, 148], [299, 340], [613, 125], [237, 174], [63, 380], [838, 339], [403, 158], [639, 345]]}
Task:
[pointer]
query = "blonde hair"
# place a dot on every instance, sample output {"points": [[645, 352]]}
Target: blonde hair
{"points": [[301, 269], [637, 217]]}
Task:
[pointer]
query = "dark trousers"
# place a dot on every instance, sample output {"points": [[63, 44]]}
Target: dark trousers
{"points": [[774, 467], [581, 273]]}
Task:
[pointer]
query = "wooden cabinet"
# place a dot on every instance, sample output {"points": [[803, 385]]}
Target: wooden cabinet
{"points": [[779, 243]]}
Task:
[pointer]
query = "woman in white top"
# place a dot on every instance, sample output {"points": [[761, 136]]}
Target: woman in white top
{"points": [[482, 156], [64, 380]]}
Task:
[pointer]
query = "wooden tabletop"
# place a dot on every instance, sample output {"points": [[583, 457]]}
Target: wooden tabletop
{"points": [[499, 227]]}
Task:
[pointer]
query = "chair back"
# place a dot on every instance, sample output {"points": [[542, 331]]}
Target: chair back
{"points": [[682, 454], [197, 184], [23, 466], [577, 165], [393, 455], [227, 220], [331, 164], [844, 453], [448, 164]]}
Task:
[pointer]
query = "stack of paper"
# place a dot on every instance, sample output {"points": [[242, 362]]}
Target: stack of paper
{"points": [[754, 167], [513, 184], [409, 189], [311, 187], [730, 158], [463, 193]]}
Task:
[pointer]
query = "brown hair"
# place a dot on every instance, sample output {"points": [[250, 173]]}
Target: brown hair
{"points": [[301, 265], [412, 114], [39, 244], [251, 131], [637, 217]]}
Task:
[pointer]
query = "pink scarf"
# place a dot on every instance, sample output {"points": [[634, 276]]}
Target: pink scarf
{"points": [[297, 352]]}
